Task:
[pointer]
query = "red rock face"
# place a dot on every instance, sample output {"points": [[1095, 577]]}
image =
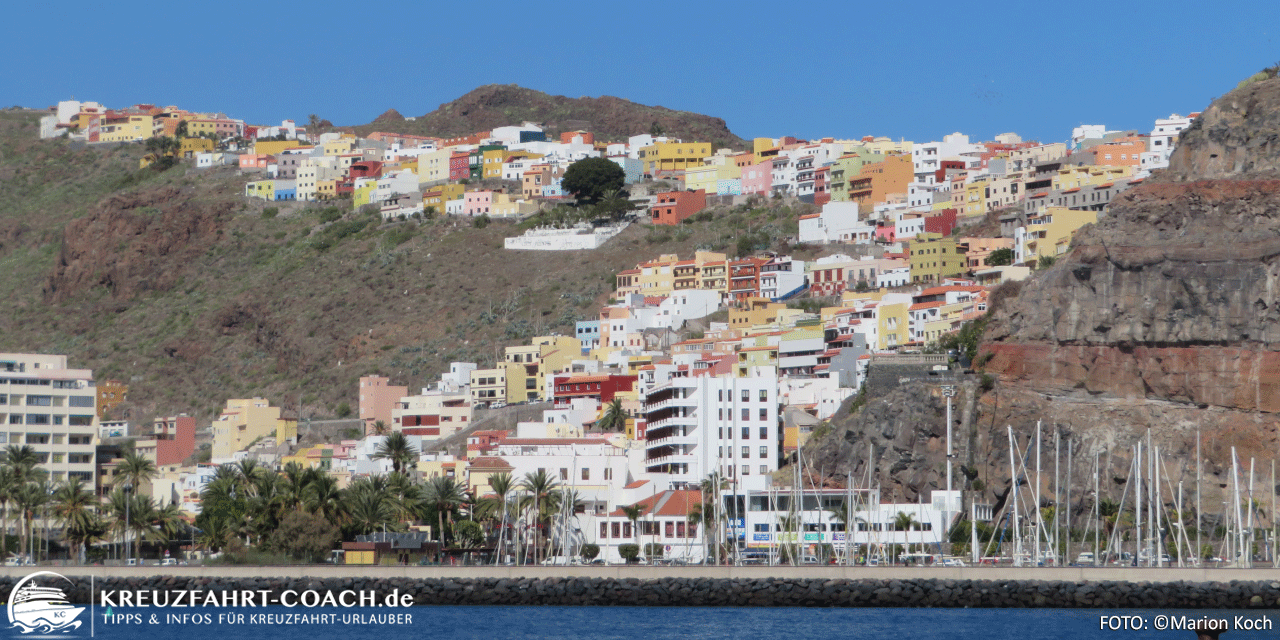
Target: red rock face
{"points": [[1239, 378], [1175, 293]]}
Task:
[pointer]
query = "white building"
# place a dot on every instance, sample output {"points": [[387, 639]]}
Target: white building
{"points": [[53, 409], [1163, 139], [781, 277], [837, 222], [695, 426], [581, 237], [892, 278]]}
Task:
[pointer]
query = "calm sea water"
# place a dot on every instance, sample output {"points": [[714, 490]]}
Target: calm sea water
{"points": [[641, 623]]}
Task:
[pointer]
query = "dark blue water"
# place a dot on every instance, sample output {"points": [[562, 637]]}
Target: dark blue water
{"points": [[641, 623]]}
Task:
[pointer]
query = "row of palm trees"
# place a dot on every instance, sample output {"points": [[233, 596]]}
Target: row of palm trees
{"points": [[84, 520]]}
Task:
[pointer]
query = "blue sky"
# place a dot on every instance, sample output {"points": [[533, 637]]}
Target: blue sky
{"points": [[848, 68]]}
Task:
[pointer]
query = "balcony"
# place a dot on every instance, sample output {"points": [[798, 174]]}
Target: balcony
{"points": [[673, 421], [669, 403]]}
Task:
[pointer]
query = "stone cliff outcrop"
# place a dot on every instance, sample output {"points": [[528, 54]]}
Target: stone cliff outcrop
{"points": [[1163, 318], [1172, 295]]}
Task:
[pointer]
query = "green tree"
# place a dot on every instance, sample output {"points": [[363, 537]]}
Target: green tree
{"points": [[306, 537], [181, 130], [590, 551], [343, 410], [1045, 262], [468, 534], [629, 552], [1000, 257], [591, 179], [398, 450]]}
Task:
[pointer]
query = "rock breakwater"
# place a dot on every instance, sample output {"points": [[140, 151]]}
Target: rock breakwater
{"points": [[723, 592]]}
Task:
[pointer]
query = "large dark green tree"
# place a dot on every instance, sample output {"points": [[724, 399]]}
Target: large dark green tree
{"points": [[1000, 257], [591, 179]]}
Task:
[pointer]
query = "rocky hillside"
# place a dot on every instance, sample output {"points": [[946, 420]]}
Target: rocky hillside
{"points": [[610, 118], [1163, 316], [177, 284]]}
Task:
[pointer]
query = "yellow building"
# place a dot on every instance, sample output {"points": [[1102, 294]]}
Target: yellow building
{"points": [[893, 324], [244, 422], [504, 206], [362, 193], [544, 354], [755, 311], [264, 189], [498, 384], [126, 128], [1088, 176], [708, 177], [276, 147], [673, 156], [973, 201], [935, 257], [339, 147], [317, 457], [192, 146], [491, 162], [1049, 233], [761, 148], [437, 196]]}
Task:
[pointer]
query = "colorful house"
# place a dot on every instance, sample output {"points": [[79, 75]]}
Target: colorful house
{"points": [[673, 207]]}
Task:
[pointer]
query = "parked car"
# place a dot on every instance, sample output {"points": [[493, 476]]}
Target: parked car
{"points": [[169, 562], [497, 405]]}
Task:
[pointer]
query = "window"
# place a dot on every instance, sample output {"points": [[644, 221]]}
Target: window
{"points": [[720, 452], [586, 474], [722, 395], [746, 395], [764, 468], [764, 452], [746, 470], [40, 401], [722, 413], [746, 452], [764, 414], [608, 473], [746, 433], [764, 433], [746, 414]]}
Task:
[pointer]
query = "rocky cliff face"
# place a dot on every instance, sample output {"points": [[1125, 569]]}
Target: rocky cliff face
{"points": [[1162, 317], [1173, 294]]}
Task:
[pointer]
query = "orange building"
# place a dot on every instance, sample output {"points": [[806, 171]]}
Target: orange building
{"points": [[878, 180], [1122, 152], [587, 137], [673, 207], [110, 394]]}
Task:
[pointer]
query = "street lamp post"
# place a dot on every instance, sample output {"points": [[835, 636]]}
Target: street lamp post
{"points": [[128, 486], [949, 391]]}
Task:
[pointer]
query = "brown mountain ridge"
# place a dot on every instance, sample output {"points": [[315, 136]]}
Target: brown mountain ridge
{"points": [[609, 117]]}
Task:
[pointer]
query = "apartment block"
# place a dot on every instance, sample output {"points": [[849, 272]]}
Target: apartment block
{"points": [[245, 421], [53, 409]]}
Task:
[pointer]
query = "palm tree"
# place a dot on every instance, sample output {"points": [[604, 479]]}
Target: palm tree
{"points": [[543, 498], [368, 506], [324, 498], [8, 486], [135, 469], [30, 497], [247, 472], [710, 489], [501, 483], [443, 494], [73, 506], [614, 418], [634, 513], [905, 522], [380, 428], [398, 450]]}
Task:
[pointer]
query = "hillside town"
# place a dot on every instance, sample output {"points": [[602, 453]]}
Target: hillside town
{"points": [[671, 425]]}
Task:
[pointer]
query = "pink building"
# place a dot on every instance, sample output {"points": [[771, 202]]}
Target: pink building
{"points": [[377, 399], [477, 203], [757, 178], [255, 161], [172, 440]]}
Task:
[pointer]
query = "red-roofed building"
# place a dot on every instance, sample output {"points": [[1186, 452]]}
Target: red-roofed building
{"points": [[602, 387]]}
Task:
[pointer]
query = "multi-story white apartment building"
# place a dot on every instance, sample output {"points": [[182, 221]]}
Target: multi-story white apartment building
{"points": [[51, 408], [698, 425]]}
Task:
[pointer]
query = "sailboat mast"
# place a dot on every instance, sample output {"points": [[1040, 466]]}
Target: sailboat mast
{"points": [[1035, 514], [1235, 497], [1136, 475], [1017, 533], [1057, 492], [1199, 517], [1097, 510]]}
